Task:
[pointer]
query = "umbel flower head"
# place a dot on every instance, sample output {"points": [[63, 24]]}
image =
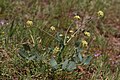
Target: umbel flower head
{"points": [[100, 13], [76, 17], [29, 23], [87, 33], [84, 43]]}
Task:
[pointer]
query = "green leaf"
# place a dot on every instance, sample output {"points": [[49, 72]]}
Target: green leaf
{"points": [[23, 53], [50, 49], [59, 39], [12, 29], [32, 58], [80, 57], [65, 64], [35, 53], [2, 6], [71, 66], [75, 58], [62, 46], [53, 63], [87, 60], [78, 50], [77, 43]]}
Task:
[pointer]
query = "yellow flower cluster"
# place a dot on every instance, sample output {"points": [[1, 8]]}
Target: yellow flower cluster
{"points": [[84, 43], [52, 28], [29, 23], [56, 49], [100, 13], [87, 33], [76, 17]]}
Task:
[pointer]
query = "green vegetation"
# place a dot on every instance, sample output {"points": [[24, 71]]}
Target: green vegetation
{"points": [[59, 40]]}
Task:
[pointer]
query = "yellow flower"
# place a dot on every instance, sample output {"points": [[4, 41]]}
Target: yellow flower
{"points": [[56, 49], [52, 28], [77, 17], [84, 43], [2, 33], [100, 13], [29, 23], [87, 33]]}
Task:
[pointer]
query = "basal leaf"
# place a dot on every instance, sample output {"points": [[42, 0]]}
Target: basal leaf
{"points": [[32, 57], [80, 57], [75, 58], [65, 64], [23, 53], [71, 66], [87, 60], [53, 63]]}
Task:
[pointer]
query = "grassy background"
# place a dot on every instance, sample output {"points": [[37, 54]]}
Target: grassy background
{"points": [[14, 33]]}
